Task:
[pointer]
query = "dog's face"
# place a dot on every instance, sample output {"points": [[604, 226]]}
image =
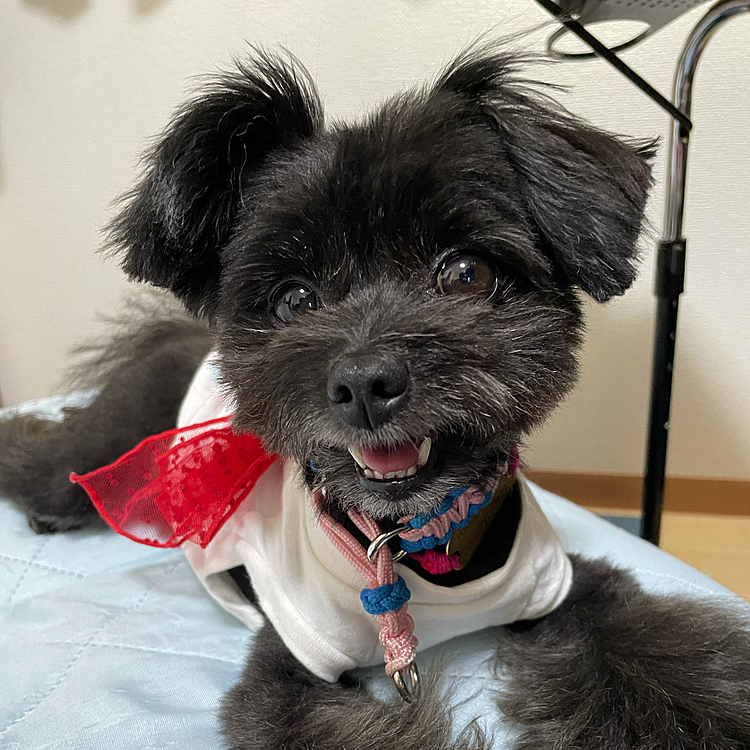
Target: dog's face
{"points": [[394, 300]]}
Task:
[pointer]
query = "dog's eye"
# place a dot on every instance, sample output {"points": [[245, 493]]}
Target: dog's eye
{"points": [[467, 275], [293, 299]]}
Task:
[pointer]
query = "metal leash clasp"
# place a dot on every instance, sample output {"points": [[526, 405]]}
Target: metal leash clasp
{"points": [[384, 538], [407, 681], [408, 692]]}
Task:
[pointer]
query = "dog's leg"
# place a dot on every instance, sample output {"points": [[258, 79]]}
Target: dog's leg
{"points": [[142, 375], [616, 668], [280, 704]]}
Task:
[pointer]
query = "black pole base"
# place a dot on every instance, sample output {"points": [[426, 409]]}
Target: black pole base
{"points": [[670, 278]]}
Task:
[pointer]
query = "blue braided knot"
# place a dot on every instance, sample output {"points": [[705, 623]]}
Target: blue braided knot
{"points": [[430, 542], [423, 518], [386, 598]]}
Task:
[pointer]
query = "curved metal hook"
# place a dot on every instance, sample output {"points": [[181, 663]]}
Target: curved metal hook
{"points": [[563, 31]]}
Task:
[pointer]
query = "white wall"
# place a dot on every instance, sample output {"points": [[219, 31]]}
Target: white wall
{"points": [[84, 84]]}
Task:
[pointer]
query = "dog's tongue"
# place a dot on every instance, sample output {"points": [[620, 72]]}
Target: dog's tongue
{"points": [[394, 459]]}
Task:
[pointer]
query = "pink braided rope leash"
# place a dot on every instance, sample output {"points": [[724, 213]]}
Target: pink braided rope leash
{"points": [[396, 627]]}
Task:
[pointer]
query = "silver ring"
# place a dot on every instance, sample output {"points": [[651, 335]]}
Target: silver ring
{"points": [[408, 692], [383, 538]]}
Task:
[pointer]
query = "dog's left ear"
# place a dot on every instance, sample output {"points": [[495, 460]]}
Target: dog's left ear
{"points": [[174, 225], [585, 190]]}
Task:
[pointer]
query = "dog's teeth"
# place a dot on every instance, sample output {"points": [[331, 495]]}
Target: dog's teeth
{"points": [[390, 475], [424, 451], [357, 456], [369, 474], [411, 471], [400, 474], [377, 475]]}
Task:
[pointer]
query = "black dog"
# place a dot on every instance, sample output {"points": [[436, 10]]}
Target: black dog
{"points": [[367, 286]]}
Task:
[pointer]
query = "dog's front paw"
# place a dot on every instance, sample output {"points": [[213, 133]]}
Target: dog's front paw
{"points": [[618, 668], [65, 510], [46, 524], [279, 705]]}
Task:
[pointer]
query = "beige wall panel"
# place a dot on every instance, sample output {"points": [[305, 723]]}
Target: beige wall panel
{"points": [[84, 84]]}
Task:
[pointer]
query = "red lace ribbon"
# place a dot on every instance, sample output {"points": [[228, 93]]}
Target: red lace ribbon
{"points": [[181, 485]]}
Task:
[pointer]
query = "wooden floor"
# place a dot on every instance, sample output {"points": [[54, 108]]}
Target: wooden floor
{"points": [[716, 545]]}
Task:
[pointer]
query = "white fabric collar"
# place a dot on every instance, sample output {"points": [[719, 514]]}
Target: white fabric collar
{"points": [[310, 593]]}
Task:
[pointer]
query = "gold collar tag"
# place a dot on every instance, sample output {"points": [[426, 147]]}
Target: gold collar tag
{"points": [[464, 542]]}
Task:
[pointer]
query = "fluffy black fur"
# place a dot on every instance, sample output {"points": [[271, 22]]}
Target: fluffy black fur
{"points": [[614, 667], [279, 704], [248, 191], [364, 214], [140, 375]]}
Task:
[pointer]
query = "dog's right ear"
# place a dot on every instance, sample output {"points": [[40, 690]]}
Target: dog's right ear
{"points": [[585, 190], [176, 221]]}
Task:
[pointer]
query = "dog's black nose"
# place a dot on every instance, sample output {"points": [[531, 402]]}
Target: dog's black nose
{"points": [[367, 390]]}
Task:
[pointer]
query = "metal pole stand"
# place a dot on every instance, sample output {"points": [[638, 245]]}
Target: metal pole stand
{"points": [[671, 250], [670, 266]]}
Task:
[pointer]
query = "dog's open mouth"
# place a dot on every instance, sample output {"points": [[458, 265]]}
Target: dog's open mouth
{"points": [[395, 468]]}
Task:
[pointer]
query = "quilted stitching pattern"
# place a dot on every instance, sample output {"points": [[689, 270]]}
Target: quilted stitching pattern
{"points": [[110, 645]]}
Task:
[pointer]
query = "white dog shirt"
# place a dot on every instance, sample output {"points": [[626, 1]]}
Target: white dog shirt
{"points": [[311, 594]]}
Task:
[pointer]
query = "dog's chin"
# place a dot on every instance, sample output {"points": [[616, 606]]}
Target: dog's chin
{"points": [[440, 465]]}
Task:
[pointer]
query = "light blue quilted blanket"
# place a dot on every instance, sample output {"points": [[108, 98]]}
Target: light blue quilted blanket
{"points": [[109, 644]]}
